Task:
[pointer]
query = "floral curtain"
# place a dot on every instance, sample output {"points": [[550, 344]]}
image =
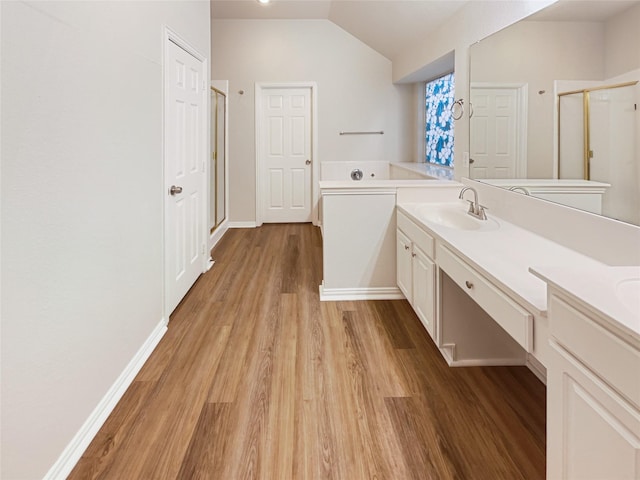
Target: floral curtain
{"points": [[439, 124]]}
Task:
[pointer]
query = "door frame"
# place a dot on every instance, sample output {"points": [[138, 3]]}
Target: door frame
{"points": [[260, 89], [522, 104], [170, 36]]}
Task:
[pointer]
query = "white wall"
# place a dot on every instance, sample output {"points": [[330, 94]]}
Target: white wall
{"points": [[622, 37], [622, 64], [354, 93], [82, 208]]}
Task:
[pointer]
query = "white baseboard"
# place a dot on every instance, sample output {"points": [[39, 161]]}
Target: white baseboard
{"points": [[537, 368], [448, 351], [72, 453], [345, 294], [217, 234], [242, 224], [490, 362]]}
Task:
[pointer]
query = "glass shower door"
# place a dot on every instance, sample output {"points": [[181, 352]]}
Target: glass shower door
{"points": [[613, 150], [217, 192], [571, 141]]}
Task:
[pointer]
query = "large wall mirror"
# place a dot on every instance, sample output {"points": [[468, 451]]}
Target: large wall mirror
{"points": [[555, 107]]}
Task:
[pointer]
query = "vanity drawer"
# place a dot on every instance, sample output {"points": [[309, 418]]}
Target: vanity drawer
{"points": [[515, 320], [417, 235], [611, 358]]}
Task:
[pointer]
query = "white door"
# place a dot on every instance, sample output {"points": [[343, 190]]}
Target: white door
{"points": [[185, 144], [284, 150], [495, 133]]}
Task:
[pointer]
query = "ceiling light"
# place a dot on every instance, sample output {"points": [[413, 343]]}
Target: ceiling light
{"points": [[263, 2]]}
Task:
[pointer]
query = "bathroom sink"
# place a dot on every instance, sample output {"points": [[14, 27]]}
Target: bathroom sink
{"points": [[455, 216], [628, 292]]}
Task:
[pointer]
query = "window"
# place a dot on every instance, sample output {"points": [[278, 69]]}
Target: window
{"points": [[438, 121]]}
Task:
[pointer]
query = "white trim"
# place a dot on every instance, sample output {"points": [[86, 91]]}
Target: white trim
{"points": [[421, 122], [242, 225], [497, 362], [448, 351], [315, 163], [173, 37], [522, 103], [170, 36], [537, 368], [372, 293], [74, 450], [218, 233]]}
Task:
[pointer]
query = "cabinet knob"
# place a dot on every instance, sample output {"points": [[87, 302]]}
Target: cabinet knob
{"points": [[406, 247], [413, 255], [468, 284]]}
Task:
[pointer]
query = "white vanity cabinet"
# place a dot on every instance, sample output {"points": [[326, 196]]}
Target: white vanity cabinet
{"points": [[593, 395], [416, 270]]}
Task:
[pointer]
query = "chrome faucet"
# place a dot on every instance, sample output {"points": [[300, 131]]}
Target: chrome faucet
{"points": [[475, 209], [522, 189]]}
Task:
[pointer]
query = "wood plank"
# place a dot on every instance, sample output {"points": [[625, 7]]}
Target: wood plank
{"points": [[416, 434], [258, 379], [282, 409], [208, 447], [103, 449]]}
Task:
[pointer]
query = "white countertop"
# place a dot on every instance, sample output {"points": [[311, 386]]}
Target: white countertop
{"points": [[379, 184], [505, 255], [435, 171], [596, 287]]}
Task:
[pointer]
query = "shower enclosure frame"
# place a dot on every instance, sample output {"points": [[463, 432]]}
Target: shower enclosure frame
{"points": [[215, 142], [586, 108]]}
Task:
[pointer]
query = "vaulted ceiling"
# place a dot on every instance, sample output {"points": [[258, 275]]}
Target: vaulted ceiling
{"points": [[388, 26]]}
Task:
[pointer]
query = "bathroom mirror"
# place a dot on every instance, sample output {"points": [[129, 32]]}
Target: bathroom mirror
{"points": [[217, 166], [555, 107]]}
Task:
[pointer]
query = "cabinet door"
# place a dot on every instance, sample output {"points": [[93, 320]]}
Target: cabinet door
{"points": [[403, 252], [593, 433], [424, 288]]}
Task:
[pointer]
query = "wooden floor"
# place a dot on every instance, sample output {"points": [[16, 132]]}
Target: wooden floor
{"points": [[256, 378]]}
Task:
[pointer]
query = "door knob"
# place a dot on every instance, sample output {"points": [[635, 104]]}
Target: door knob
{"points": [[308, 162], [175, 190]]}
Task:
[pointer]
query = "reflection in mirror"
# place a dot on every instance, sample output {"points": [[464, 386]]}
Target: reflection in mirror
{"points": [[555, 106], [217, 166], [596, 141]]}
